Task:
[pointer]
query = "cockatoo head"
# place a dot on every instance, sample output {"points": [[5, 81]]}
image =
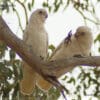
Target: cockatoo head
{"points": [[39, 15], [84, 32], [84, 36]]}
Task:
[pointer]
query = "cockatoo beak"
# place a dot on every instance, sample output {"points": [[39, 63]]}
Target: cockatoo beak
{"points": [[46, 16], [76, 35]]}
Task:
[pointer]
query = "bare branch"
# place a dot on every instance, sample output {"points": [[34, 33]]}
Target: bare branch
{"points": [[64, 65], [87, 18], [49, 69], [18, 45], [23, 50]]}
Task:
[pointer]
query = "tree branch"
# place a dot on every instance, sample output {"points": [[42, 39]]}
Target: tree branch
{"points": [[7, 36], [64, 65], [45, 69]]}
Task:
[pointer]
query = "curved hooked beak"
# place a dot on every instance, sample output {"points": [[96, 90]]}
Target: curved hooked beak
{"points": [[76, 35]]}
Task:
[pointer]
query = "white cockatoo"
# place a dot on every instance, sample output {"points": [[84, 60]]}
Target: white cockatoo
{"points": [[74, 45], [36, 37]]}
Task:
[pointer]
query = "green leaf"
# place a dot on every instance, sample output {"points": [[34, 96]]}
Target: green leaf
{"points": [[97, 38], [3, 47], [45, 4], [52, 47], [12, 54], [32, 2], [99, 49], [67, 4], [54, 94], [78, 88], [17, 65], [29, 6], [79, 97], [72, 80], [65, 77]]}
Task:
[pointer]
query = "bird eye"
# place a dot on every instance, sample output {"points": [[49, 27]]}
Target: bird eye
{"points": [[82, 33], [40, 12]]}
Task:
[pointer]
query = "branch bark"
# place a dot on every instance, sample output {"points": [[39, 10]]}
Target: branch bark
{"points": [[7, 36], [64, 65], [45, 69]]}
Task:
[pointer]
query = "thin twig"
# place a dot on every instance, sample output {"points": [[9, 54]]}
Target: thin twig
{"points": [[86, 18], [19, 19], [24, 10]]}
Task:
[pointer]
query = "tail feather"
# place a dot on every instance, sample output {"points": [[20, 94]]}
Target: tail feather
{"points": [[28, 82], [43, 84]]}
